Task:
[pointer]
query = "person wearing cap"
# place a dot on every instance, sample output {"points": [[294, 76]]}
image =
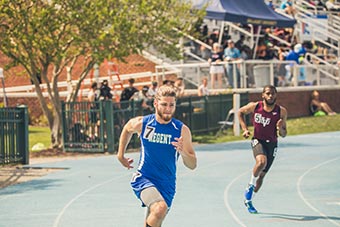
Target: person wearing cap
{"points": [[231, 53]]}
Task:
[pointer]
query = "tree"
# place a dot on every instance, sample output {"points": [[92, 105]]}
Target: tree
{"points": [[47, 36]]}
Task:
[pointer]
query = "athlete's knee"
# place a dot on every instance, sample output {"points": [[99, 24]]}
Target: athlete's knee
{"points": [[159, 209], [261, 163]]}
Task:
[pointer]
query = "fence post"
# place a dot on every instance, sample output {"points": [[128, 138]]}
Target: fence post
{"points": [[25, 134], [108, 110], [236, 104]]}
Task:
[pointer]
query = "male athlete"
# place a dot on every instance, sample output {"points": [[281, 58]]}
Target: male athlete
{"points": [[268, 118], [163, 140]]}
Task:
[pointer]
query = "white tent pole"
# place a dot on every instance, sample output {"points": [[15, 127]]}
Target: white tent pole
{"points": [[257, 40]]}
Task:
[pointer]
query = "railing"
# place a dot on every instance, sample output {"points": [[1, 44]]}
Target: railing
{"points": [[14, 135], [28, 90], [98, 129], [257, 73]]}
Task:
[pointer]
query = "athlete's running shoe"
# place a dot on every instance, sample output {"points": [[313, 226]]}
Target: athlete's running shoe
{"points": [[248, 194], [250, 207]]}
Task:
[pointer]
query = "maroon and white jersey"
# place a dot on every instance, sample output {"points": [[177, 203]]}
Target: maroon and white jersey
{"points": [[265, 122]]}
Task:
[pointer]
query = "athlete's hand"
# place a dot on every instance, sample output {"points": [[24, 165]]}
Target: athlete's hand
{"points": [[246, 134], [126, 162], [179, 144], [279, 124]]}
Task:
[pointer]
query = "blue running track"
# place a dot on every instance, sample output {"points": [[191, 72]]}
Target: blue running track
{"points": [[301, 189]]}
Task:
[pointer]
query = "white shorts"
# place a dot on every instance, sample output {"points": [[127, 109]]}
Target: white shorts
{"points": [[214, 69]]}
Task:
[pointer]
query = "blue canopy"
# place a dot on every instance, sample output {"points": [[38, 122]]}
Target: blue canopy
{"points": [[244, 12]]}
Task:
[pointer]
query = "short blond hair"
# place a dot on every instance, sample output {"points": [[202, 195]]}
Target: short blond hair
{"points": [[165, 91]]}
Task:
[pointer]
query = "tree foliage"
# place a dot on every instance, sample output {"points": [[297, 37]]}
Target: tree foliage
{"points": [[46, 36]]}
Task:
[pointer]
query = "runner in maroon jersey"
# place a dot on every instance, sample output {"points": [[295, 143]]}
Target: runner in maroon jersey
{"points": [[269, 119]]}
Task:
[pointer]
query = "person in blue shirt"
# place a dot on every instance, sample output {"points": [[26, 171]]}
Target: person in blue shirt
{"points": [[231, 53], [287, 7], [163, 140]]}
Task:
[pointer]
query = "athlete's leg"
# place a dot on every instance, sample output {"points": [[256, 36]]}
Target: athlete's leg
{"points": [[157, 207], [269, 159], [157, 213], [259, 181], [261, 162]]}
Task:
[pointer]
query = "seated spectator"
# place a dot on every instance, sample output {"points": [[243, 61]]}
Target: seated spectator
{"points": [[287, 7], [179, 87], [319, 108], [203, 89], [331, 6]]}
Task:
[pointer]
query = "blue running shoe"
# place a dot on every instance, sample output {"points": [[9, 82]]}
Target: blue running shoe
{"points": [[250, 207], [249, 192]]}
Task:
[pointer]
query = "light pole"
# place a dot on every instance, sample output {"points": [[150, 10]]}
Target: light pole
{"points": [[3, 86]]}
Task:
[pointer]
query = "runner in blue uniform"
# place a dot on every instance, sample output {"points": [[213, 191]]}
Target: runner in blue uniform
{"points": [[268, 119], [163, 140]]}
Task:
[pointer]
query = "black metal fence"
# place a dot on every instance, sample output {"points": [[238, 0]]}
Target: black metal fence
{"points": [[96, 127], [14, 135]]}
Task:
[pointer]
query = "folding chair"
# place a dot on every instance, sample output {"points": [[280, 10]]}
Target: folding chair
{"points": [[227, 123]]}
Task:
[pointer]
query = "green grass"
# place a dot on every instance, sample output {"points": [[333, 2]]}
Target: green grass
{"points": [[39, 135], [296, 126]]}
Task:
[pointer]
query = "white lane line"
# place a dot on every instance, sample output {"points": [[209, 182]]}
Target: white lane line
{"points": [[302, 196], [61, 213], [226, 199]]}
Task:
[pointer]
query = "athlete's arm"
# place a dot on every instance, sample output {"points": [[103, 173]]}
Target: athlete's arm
{"points": [[281, 125], [245, 110], [185, 148], [134, 125]]}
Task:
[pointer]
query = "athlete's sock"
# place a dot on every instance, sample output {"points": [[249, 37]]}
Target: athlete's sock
{"points": [[147, 225], [254, 193], [253, 180]]}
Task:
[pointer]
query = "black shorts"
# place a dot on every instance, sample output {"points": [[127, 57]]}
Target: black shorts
{"points": [[268, 149]]}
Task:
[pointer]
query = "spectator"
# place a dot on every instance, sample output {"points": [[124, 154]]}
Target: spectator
{"points": [[319, 108], [145, 101], [105, 91], [231, 53], [203, 89], [271, 5], [293, 55], [93, 98], [216, 68], [240, 42], [169, 83], [153, 89], [128, 93], [287, 7], [331, 6], [281, 56], [179, 87]]}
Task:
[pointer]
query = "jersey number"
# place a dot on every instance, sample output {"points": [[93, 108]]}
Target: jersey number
{"points": [[149, 131]]}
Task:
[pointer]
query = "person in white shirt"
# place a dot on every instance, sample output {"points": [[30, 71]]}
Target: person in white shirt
{"points": [[203, 89], [153, 89]]}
